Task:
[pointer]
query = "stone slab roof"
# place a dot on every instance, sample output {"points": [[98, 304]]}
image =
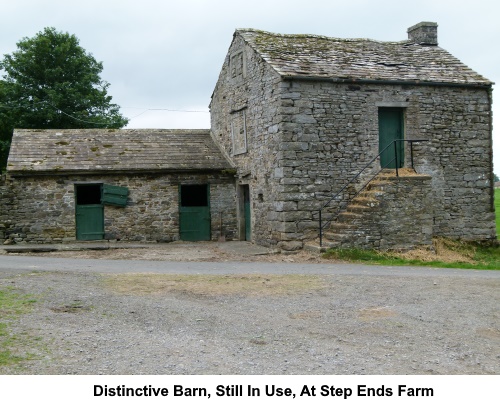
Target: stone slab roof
{"points": [[104, 150], [358, 59]]}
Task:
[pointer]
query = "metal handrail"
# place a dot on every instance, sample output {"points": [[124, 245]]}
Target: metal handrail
{"points": [[351, 181]]}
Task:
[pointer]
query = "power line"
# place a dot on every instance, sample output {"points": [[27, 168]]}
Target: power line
{"points": [[62, 112], [162, 109], [165, 109], [76, 118]]}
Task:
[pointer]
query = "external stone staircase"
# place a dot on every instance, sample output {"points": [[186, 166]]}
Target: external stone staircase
{"points": [[392, 212]]}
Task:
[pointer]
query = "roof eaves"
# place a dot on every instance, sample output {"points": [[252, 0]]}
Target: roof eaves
{"points": [[289, 77]]}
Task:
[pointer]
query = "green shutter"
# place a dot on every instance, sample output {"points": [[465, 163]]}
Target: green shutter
{"points": [[114, 195]]}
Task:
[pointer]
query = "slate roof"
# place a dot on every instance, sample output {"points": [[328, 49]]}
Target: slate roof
{"points": [[104, 150], [358, 59]]}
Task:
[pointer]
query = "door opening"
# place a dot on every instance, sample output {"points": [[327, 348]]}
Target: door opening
{"points": [[194, 212], [247, 215], [89, 212]]}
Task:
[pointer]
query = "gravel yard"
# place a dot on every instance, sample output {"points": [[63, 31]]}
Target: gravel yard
{"points": [[90, 322]]}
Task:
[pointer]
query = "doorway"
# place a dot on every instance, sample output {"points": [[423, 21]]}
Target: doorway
{"points": [[89, 212], [391, 128], [247, 214], [194, 212]]}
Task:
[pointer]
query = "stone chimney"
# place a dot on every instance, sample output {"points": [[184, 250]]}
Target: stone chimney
{"points": [[424, 33]]}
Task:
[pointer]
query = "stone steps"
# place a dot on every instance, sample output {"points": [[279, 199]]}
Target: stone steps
{"points": [[375, 219]]}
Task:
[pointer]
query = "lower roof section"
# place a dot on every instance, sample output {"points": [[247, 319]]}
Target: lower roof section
{"points": [[113, 150]]}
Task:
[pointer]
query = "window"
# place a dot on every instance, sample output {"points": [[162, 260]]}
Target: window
{"points": [[237, 67], [239, 132]]}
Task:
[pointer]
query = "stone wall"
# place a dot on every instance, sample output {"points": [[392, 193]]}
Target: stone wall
{"points": [[392, 213], [330, 131], [5, 204], [245, 123], [307, 138], [41, 209]]}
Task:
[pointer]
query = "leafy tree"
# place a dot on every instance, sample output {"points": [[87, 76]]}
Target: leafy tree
{"points": [[50, 81], [6, 126], [495, 178]]}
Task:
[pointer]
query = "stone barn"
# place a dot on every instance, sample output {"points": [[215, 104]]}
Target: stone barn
{"points": [[321, 124], [129, 185], [351, 142]]}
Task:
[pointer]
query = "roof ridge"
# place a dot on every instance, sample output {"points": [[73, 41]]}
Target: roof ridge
{"points": [[257, 31], [322, 57]]}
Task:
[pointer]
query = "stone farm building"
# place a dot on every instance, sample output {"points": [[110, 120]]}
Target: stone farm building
{"points": [[134, 185], [299, 124]]}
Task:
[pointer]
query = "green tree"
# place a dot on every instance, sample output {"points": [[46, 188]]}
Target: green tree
{"points": [[50, 81], [495, 178]]}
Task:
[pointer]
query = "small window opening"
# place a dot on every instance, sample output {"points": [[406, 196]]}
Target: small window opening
{"points": [[194, 196], [88, 194]]}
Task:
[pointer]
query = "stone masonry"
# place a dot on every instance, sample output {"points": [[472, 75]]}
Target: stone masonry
{"points": [[41, 209], [247, 97], [293, 119], [310, 108], [37, 197], [393, 212]]}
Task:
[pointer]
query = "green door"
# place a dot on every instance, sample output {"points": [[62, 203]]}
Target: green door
{"points": [[90, 222], [89, 212], [246, 206], [390, 127], [194, 212]]}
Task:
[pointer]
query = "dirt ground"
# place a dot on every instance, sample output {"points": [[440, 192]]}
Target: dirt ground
{"points": [[441, 250], [89, 322], [186, 251]]}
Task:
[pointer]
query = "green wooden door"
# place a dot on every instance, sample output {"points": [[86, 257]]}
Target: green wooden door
{"points": [[195, 223], [89, 212], [194, 212], [248, 223], [390, 125], [90, 222]]}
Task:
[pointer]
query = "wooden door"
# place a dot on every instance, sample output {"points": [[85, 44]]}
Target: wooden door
{"points": [[89, 222], [194, 212], [391, 128], [89, 212]]}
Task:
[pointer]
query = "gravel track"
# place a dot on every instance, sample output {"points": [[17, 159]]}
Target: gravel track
{"points": [[82, 323]]}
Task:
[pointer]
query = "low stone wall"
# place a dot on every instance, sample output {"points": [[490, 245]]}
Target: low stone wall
{"points": [[41, 209]]}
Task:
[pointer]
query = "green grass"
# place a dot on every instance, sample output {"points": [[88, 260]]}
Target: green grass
{"points": [[497, 210], [12, 305], [483, 257], [479, 257]]}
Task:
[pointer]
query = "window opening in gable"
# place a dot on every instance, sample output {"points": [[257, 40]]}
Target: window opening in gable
{"points": [[237, 66]]}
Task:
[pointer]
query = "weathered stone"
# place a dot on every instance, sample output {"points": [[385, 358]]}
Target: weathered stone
{"points": [[290, 246], [298, 117], [328, 129], [151, 213]]}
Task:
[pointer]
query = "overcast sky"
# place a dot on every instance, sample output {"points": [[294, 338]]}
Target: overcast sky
{"points": [[168, 54]]}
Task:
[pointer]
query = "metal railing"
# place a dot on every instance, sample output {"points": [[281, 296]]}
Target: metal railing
{"points": [[396, 159]]}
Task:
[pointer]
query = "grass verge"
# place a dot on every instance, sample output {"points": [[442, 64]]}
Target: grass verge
{"points": [[444, 253], [12, 305], [497, 210]]}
